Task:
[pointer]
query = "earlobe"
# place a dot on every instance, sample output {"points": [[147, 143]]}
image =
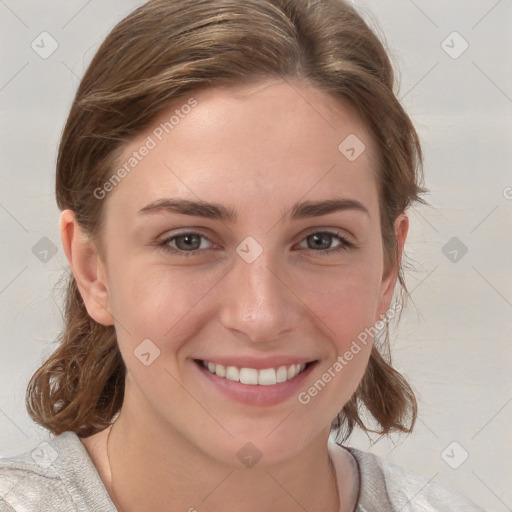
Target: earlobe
{"points": [[87, 268]]}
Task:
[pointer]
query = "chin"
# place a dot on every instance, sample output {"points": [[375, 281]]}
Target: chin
{"points": [[257, 445]]}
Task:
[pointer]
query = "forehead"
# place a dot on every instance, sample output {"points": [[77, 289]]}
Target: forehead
{"points": [[266, 140]]}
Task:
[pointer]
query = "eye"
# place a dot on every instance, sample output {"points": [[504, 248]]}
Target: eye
{"points": [[190, 243], [320, 242], [186, 244]]}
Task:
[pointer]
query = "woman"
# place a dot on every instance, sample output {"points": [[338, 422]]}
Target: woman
{"points": [[233, 179]]}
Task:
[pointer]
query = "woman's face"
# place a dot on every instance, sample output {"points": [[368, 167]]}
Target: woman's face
{"points": [[222, 247]]}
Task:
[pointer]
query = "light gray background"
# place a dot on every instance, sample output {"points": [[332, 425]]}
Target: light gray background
{"points": [[454, 342]]}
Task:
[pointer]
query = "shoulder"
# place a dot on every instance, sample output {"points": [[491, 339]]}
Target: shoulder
{"points": [[387, 487], [27, 478], [57, 472]]}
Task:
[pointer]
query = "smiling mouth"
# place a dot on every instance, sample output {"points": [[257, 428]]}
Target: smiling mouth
{"points": [[252, 376]]}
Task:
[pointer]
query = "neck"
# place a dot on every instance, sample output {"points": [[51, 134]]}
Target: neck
{"points": [[172, 474]]}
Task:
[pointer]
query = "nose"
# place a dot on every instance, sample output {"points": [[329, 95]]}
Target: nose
{"points": [[258, 300]]}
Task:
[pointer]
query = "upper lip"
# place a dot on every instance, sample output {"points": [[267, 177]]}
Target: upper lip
{"points": [[259, 363]]}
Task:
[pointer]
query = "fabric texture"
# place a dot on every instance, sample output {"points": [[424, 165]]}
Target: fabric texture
{"points": [[59, 476]]}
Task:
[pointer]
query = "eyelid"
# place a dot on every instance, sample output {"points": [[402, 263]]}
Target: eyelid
{"points": [[344, 245], [332, 231], [162, 241]]}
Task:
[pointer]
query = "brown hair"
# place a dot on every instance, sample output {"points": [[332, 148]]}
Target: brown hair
{"points": [[162, 51]]}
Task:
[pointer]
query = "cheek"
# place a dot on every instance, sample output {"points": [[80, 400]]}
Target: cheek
{"points": [[163, 304], [157, 314], [344, 298], [346, 305]]}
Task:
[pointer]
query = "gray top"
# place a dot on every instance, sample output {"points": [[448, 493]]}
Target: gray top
{"points": [[59, 476]]}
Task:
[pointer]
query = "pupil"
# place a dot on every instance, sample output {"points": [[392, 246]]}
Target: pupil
{"points": [[188, 240], [318, 237]]}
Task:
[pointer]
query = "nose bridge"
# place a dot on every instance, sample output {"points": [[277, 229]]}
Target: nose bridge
{"points": [[258, 302]]}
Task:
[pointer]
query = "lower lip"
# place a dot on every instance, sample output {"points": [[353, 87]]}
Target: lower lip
{"points": [[259, 395]]}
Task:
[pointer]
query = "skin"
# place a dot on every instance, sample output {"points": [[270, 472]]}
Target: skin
{"points": [[258, 149]]}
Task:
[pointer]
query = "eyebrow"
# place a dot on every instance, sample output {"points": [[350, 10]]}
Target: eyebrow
{"points": [[301, 210]]}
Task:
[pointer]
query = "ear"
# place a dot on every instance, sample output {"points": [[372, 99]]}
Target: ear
{"points": [[87, 267], [401, 227]]}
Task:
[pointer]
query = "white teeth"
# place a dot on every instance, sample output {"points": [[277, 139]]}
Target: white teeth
{"points": [[248, 376], [282, 374], [232, 373], [265, 377]]}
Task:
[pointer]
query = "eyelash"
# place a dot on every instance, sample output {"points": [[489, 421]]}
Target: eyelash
{"points": [[345, 244]]}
